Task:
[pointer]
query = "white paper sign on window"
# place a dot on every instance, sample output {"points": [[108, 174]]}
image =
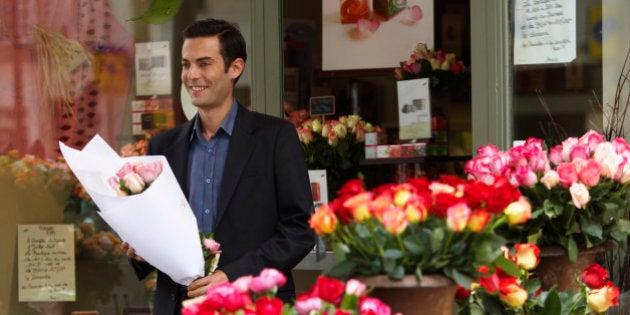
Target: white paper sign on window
{"points": [[46, 270], [414, 109], [544, 31]]}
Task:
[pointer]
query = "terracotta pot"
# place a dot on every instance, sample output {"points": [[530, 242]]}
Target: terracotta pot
{"points": [[434, 296], [555, 268]]}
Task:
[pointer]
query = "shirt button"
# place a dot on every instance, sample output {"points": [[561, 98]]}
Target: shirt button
{"points": [[207, 211], [207, 180]]}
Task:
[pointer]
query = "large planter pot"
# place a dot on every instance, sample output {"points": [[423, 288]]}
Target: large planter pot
{"points": [[555, 268], [434, 296]]}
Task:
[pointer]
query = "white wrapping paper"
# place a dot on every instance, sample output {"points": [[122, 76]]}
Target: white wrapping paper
{"points": [[158, 223]]}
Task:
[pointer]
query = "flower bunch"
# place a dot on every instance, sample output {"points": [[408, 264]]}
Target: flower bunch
{"points": [[97, 245], [211, 252], [443, 68], [256, 295], [519, 291], [31, 172], [578, 189], [135, 149], [134, 178], [444, 226], [336, 145]]}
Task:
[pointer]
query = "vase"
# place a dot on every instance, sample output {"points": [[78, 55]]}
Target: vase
{"points": [[555, 268], [435, 295]]}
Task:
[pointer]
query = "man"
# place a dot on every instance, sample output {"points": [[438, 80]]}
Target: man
{"points": [[243, 172]]}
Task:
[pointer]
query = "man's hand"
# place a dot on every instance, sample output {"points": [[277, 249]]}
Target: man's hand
{"points": [[131, 253], [200, 286]]}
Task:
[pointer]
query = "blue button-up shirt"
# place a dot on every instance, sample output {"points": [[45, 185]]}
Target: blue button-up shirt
{"points": [[205, 170]]}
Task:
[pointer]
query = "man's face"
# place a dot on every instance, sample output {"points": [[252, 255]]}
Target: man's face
{"points": [[204, 75]]}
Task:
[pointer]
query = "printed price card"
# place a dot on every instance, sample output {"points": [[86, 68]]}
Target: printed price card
{"points": [[46, 270]]}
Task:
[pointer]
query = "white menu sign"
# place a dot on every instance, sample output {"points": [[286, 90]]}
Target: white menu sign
{"points": [[414, 109], [544, 31], [46, 263]]}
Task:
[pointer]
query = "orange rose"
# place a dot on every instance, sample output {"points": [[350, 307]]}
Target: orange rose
{"points": [[395, 220], [511, 293], [527, 255], [478, 220], [600, 300], [359, 205], [323, 221], [518, 211], [457, 216]]}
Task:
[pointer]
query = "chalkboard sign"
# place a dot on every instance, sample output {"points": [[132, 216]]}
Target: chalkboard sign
{"points": [[322, 105]]}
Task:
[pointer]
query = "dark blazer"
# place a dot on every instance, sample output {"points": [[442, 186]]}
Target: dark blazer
{"points": [[263, 207]]}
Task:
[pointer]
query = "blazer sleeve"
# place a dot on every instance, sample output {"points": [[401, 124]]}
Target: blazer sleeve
{"points": [[293, 238]]}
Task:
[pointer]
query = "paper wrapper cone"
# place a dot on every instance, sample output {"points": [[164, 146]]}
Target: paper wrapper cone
{"points": [[158, 223]]}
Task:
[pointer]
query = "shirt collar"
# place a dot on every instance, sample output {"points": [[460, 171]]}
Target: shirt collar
{"points": [[227, 125]]}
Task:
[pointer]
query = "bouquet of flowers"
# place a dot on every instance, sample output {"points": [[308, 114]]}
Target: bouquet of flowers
{"points": [[156, 220], [445, 226], [256, 295], [578, 189], [498, 292], [33, 173], [211, 252], [336, 145], [444, 69]]}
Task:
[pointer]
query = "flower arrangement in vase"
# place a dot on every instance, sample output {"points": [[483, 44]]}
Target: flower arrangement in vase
{"points": [[578, 189], [445, 71], [497, 292], [256, 295], [336, 145], [420, 227]]}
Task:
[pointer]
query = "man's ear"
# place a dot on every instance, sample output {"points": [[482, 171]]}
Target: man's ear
{"points": [[236, 68]]}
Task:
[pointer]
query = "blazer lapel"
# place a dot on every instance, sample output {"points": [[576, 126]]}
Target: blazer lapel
{"points": [[241, 147], [177, 155]]}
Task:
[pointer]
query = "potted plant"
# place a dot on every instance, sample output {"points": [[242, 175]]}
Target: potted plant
{"points": [[419, 232]]}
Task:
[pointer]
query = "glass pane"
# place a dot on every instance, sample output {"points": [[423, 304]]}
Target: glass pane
{"points": [[372, 93], [556, 99]]}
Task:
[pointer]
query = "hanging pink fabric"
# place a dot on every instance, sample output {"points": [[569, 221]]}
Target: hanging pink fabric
{"points": [[99, 88]]}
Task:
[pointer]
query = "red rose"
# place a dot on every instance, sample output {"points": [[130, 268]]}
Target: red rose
{"points": [[269, 306], [462, 293], [594, 276], [351, 187], [328, 289]]}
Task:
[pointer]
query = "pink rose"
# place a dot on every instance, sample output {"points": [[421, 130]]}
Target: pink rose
{"points": [[267, 280], [525, 176], [212, 245], [356, 287], [567, 173], [225, 296], [488, 149], [114, 182], [591, 139], [395, 220], [149, 172], [620, 145], [579, 195], [124, 170], [555, 155], [567, 147], [590, 173], [457, 216], [372, 305], [306, 304], [579, 151], [242, 283], [134, 183]]}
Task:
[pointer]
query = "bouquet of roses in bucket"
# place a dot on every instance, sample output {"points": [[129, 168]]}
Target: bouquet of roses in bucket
{"points": [[140, 198], [519, 291], [445, 226], [257, 295], [578, 189]]}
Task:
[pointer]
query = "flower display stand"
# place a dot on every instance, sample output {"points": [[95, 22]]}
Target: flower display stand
{"points": [[435, 295], [555, 268]]}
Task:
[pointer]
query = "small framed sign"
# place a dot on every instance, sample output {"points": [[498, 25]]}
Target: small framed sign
{"points": [[322, 105]]}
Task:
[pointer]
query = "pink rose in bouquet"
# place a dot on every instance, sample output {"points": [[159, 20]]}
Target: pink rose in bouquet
{"points": [[134, 178]]}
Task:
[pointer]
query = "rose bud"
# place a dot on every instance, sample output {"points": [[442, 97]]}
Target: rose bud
{"points": [[600, 300], [511, 293], [527, 255]]}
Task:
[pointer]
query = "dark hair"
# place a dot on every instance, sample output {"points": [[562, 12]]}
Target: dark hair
{"points": [[232, 44]]}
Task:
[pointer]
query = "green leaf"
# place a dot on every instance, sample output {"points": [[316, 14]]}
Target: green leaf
{"points": [[341, 269], [397, 273], [393, 254], [572, 250], [413, 245], [552, 304], [340, 251], [507, 266], [160, 11], [460, 278]]}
